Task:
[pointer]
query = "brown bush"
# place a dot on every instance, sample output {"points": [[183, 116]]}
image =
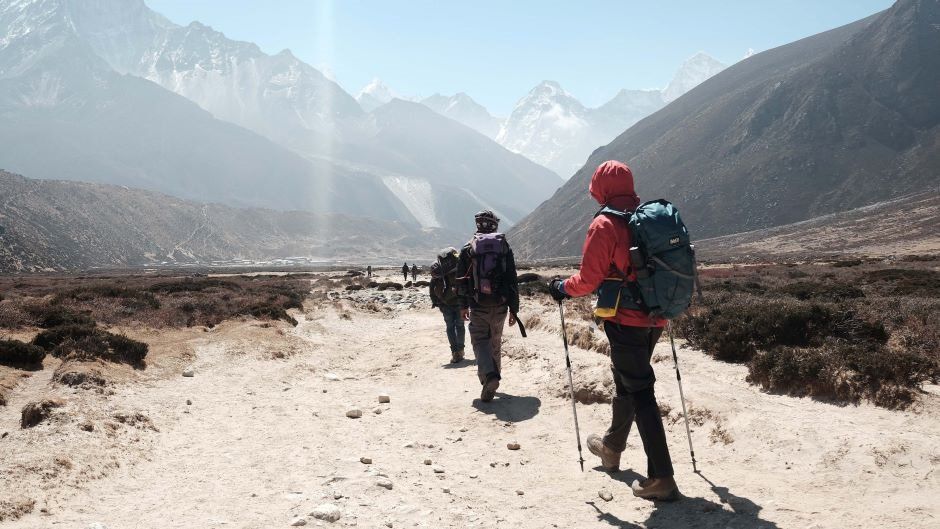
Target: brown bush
{"points": [[81, 342], [843, 334], [14, 353], [36, 412]]}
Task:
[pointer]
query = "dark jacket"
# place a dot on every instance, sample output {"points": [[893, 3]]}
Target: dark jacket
{"points": [[509, 286], [438, 282]]}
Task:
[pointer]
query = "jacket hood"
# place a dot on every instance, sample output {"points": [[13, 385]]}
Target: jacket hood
{"points": [[612, 185]]}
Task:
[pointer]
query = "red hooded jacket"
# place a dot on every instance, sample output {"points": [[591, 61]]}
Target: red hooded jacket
{"points": [[607, 246]]}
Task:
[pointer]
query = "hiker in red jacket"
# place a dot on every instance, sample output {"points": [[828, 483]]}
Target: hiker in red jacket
{"points": [[632, 335]]}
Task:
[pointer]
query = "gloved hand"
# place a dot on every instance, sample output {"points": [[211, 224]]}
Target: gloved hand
{"points": [[556, 287]]}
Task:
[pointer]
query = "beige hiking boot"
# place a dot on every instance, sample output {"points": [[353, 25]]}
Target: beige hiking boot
{"points": [[456, 357], [663, 489], [610, 460]]}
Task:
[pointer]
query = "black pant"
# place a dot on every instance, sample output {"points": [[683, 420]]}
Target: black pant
{"points": [[630, 351]]}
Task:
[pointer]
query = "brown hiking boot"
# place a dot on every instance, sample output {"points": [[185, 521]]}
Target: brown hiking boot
{"points": [[456, 357], [663, 489], [610, 460], [489, 389]]}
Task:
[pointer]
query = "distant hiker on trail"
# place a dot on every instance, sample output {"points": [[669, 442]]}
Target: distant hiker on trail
{"points": [[404, 270], [487, 292], [369, 271], [414, 272], [443, 291], [632, 333]]}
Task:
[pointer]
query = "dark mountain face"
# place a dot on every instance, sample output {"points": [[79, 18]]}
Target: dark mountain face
{"points": [[835, 121]]}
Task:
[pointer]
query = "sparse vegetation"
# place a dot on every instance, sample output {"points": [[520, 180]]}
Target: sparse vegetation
{"points": [[157, 301], [845, 333]]}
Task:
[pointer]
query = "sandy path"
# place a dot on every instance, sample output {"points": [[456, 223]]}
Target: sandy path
{"points": [[267, 440]]}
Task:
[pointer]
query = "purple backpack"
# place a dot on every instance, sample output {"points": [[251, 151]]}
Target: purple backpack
{"points": [[488, 251]]}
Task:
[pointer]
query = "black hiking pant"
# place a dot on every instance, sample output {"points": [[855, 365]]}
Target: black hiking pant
{"points": [[630, 351], [486, 337]]}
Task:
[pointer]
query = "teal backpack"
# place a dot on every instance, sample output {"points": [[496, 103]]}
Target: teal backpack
{"points": [[663, 258]]}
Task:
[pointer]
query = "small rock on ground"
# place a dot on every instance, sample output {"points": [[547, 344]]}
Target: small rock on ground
{"points": [[513, 446], [427, 461], [384, 399], [438, 469], [385, 483], [520, 492], [354, 413], [605, 495], [365, 460], [189, 372], [298, 522], [327, 512]]}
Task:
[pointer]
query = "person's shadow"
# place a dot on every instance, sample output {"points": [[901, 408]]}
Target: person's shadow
{"points": [[510, 408], [694, 512]]}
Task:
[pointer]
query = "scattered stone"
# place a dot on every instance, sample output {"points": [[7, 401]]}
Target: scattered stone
{"points": [[520, 492], [189, 372], [189, 402], [324, 390], [299, 521], [331, 376], [384, 398], [411, 444], [438, 469], [463, 430], [605, 495], [327, 512], [87, 426], [427, 461], [377, 411], [513, 446], [354, 413], [365, 460], [474, 476], [446, 491], [385, 483], [337, 495]]}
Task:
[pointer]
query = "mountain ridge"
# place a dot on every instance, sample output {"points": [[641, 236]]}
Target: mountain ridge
{"points": [[835, 145]]}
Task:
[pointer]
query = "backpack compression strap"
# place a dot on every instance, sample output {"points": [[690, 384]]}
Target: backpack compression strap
{"points": [[631, 288]]}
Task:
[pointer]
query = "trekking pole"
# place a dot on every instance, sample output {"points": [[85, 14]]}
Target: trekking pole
{"points": [[688, 431], [574, 407]]}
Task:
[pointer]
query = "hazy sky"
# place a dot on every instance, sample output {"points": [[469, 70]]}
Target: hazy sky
{"points": [[497, 50]]}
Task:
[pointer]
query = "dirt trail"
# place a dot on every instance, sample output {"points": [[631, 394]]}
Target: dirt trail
{"points": [[267, 439]]}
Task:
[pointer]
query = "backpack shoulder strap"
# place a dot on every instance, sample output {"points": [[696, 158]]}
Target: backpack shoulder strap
{"points": [[613, 212]]}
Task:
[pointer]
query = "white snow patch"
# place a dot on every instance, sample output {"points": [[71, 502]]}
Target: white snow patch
{"points": [[416, 194]]}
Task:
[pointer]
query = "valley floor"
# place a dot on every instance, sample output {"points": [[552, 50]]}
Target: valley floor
{"points": [[266, 439]]}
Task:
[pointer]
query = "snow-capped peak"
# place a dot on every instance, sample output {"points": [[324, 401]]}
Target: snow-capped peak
{"points": [[694, 71], [374, 95]]}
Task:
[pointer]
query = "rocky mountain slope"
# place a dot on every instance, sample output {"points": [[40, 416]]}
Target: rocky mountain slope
{"points": [[554, 129], [901, 227], [836, 121], [72, 81], [57, 225]]}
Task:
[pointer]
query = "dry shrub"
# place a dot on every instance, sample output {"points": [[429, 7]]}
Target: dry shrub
{"points": [[81, 342], [906, 281], [843, 373], [48, 315], [843, 334], [14, 353], [14, 509], [36, 412]]}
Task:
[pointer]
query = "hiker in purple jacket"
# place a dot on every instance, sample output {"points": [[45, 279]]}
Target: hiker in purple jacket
{"points": [[487, 292]]}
